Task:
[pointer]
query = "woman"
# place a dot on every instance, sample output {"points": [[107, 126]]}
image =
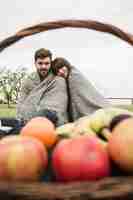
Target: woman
{"points": [[83, 97]]}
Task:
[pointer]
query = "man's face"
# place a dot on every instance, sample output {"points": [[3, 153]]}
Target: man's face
{"points": [[43, 66]]}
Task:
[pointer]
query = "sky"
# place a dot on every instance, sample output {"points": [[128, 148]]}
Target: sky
{"points": [[104, 59]]}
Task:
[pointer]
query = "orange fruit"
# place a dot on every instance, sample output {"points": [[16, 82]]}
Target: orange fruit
{"points": [[42, 129]]}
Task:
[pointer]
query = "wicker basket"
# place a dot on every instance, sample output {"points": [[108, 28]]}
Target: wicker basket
{"points": [[109, 188]]}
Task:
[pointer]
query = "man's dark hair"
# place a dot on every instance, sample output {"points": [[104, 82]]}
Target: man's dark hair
{"points": [[43, 53]]}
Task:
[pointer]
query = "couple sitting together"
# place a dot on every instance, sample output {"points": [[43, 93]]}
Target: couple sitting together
{"points": [[57, 90]]}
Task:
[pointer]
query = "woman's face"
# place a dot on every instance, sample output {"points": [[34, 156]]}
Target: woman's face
{"points": [[63, 72]]}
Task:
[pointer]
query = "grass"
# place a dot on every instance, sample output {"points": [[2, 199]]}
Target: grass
{"points": [[7, 112], [128, 107], [11, 112]]}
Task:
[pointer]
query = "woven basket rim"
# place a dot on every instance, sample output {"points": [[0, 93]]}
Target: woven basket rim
{"points": [[51, 25]]}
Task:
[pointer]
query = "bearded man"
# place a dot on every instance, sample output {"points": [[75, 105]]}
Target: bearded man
{"points": [[42, 90]]}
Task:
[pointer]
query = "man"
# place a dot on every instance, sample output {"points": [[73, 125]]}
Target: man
{"points": [[42, 60], [42, 90]]}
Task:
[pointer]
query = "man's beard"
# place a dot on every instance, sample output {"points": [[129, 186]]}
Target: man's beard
{"points": [[42, 73]]}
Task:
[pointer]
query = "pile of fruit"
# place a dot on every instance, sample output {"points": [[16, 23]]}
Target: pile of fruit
{"points": [[89, 149]]}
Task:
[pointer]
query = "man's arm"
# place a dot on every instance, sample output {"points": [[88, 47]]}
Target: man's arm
{"points": [[55, 98], [24, 93], [27, 86]]}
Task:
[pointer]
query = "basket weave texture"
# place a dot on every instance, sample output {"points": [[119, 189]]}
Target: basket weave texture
{"points": [[119, 188]]}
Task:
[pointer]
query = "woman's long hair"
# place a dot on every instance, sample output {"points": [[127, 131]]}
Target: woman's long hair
{"points": [[57, 64]]}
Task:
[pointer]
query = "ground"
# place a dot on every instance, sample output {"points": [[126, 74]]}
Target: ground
{"points": [[11, 112], [7, 112]]}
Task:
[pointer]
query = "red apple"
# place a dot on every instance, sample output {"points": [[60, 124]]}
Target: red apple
{"points": [[22, 158], [81, 158]]}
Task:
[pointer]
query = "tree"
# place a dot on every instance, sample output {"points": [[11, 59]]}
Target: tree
{"points": [[10, 83], [18, 76]]}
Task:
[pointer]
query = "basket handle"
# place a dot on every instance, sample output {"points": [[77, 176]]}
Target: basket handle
{"points": [[88, 24]]}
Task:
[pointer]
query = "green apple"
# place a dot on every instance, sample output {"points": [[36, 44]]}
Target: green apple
{"points": [[65, 130], [102, 117], [82, 126]]}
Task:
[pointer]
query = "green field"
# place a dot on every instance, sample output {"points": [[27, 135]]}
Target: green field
{"points": [[7, 112], [128, 107], [11, 112]]}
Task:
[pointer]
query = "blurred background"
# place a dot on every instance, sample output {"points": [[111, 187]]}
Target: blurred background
{"points": [[104, 59]]}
